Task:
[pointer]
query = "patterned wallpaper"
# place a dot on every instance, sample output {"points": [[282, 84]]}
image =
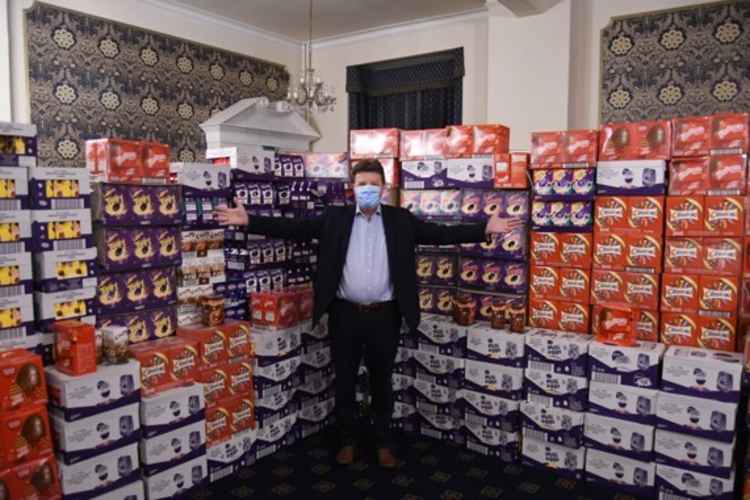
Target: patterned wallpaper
{"points": [[690, 61], [90, 77]]}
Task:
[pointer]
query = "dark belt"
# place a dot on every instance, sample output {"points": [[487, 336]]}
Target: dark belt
{"points": [[374, 306]]}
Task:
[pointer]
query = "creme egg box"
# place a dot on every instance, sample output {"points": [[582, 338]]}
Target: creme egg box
{"points": [[15, 231], [563, 184], [135, 290], [694, 453], [556, 390], [85, 438], [423, 174], [631, 475], [327, 165], [59, 188], [14, 188], [163, 451], [172, 408], [558, 352], [486, 344], [624, 437], [562, 216], [61, 229], [636, 365], [66, 304], [564, 461], [18, 144], [177, 480], [101, 474], [201, 176], [470, 172], [673, 482], [122, 249], [125, 204], [147, 324], [57, 270], [623, 402], [496, 380], [702, 373], [701, 417], [552, 425], [492, 442], [489, 411], [639, 177], [253, 161]]}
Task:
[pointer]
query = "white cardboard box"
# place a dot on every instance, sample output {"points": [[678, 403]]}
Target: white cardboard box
{"points": [[564, 461], [702, 417], [623, 437], [703, 373], [560, 352], [165, 450], [177, 480], [620, 472], [623, 401], [494, 346], [694, 453], [498, 380], [636, 365], [102, 473], [553, 425], [170, 409], [675, 483]]}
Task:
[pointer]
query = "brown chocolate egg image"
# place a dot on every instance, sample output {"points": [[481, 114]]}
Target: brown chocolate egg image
{"points": [[42, 479], [33, 430], [4, 493], [621, 137], [29, 378], [656, 136]]}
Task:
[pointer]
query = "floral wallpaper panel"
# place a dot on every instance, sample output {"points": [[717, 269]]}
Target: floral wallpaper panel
{"points": [[90, 77], [691, 61]]}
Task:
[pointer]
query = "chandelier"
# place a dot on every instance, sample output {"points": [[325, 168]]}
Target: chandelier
{"points": [[311, 94]]}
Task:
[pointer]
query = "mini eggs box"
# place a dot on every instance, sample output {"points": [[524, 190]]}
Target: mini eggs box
{"points": [[15, 273], [65, 304], [102, 474], [123, 249], [562, 215], [110, 387], [493, 379], [17, 144], [556, 390], [135, 290], [631, 177], [702, 373], [59, 188], [14, 188], [61, 229], [148, 324], [253, 162], [123, 204], [58, 270], [559, 352], [568, 184]]}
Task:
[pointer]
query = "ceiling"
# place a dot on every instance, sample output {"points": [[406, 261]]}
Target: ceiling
{"points": [[289, 18]]}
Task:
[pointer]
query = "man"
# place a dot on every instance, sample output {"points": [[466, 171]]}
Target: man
{"points": [[366, 281]]}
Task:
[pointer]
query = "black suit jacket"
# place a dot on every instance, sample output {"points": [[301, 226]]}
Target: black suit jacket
{"points": [[403, 231]]}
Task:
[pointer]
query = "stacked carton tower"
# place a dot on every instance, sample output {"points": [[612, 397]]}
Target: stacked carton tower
{"points": [[562, 213]]}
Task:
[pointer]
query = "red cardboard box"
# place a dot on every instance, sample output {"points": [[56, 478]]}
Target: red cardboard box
{"points": [[25, 434], [688, 176], [115, 160], [644, 213], [37, 479], [218, 424], [543, 313], [680, 329], [373, 143], [580, 147], [545, 248], [627, 249], [685, 215], [722, 256], [573, 317], [638, 290], [719, 293], [166, 363], [647, 140], [680, 293], [240, 378], [724, 216], [215, 382], [744, 307], [274, 308], [211, 341], [423, 144], [241, 412], [561, 249], [156, 158], [714, 175], [511, 171], [646, 327], [239, 340], [460, 141], [75, 347], [546, 149], [22, 381], [574, 285], [544, 281], [723, 133], [729, 133], [491, 138], [692, 136], [683, 255], [718, 333]]}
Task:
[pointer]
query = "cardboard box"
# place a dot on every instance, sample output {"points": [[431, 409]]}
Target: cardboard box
{"points": [[694, 453], [125, 249], [440, 333], [566, 462], [56, 188], [16, 274], [673, 481], [646, 140], [569, 184], [34, 479], [623, 402], [14, 188], [215, 382], [627, 250], [708, 175], [636, 366], [164, 451], [136, 290], [561, 249], [497, 380], [225, 458], [22, 380], [646, 327], [16, 316], [485, 410], [460, 141], [18, 144], [639, 213], [121, 204], [15, 231], [75, 347], [700, 417], [58, 270], [477, 172], [272, 344], [639, 290], [134, 491], [102, 474], [490, 139], [177, 480], [702, 373], [281, 376], [607, 469], [115, 160], [434, 398], [557, 390], [423, 174], [166, 363], [155, 162], [567, 148], [624, 177], [172, 408], [27, 433], [201, 176], [543, 313], [254, 162], [156, 323], [552, 425], [422, 144], [724, 216], [511, 171], [680, 292], [212, 344], [66, 304], [624, 437], [274, 308], [491, 442], [372, 143], [685, 215], [723, 133], [562, 216], [85, 438], [437, 369], [486, 344], [439, 426], [557, 352]]}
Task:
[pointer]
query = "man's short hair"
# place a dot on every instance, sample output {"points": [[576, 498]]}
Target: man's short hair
{"points": [[370, 165]]}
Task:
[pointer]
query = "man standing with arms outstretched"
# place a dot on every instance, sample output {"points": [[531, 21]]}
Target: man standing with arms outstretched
{"points": [[366, 281]]}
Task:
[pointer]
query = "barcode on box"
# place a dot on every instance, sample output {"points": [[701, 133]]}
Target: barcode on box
{"points": [[431, 433], [11, 247], [427, 407], [670, 496], [534, 434], [79, 244], [479, 448], [541, 366], [606, 378], [227, 471], [68, 204], [11, 291], [476, 420], [12, 334], [10, 204], [539, 399]]}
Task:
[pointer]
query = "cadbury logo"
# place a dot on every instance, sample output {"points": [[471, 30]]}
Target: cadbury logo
{"points": [[715, 334], [213, 347], [217, 423], [683, 252], [543, 280], [606, 286], [678, 330], [721, 254], [238, 341], [543, 314], [544, 247], [574, 249], [727, 214], [611, 249], [684, 214], [184, 363]]}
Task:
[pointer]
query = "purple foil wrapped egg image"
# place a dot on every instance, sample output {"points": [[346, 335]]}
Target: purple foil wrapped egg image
{"points": [[137, 291], [562, 182], [583, 181], [485, 306], [110, 292], [143, 203], [514, 276], [426, 300], [445, 269], [492, 202], [450, 202], [162, 322], [145, 248], [471, 204], [542, 181], [410, 200], [492, 274], [167, 203], [114, 203], [469, 271], [516, 204], [443, 300], [429, 203], [540, 214], [511, 244], [118, 249], [581, 213], [559, 213], [168, 244], [425, 268]]}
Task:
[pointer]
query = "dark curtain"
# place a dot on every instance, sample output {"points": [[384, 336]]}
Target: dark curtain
{"points": [[415, 92]]}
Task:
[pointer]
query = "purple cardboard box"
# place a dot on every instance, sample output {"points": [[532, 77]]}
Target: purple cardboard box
{"points": [[121, 204], [470, 172], [566, 216], [135, 290], [489, 411], [515, 204], [493, 202], [423, 174], [624, 402], [148, 324], [59, 188], [61, 229], [130, 249], [58, 270], [470, 272], [567, 184], [510, 245]]}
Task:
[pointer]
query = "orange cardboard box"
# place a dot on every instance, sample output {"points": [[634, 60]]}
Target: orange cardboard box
{"points": [[611, 212], [722, 256], [644, 213], [241, 412], [75, 347], [680, 292], [575, 250], [574, 285], [683, 255], [573, 317], [719, 293], [511, 171], [638, 290], [545, 248], [490, 139], [680, 329], [166, 363], [718, 333], [156, 158], [32, 480], [240, 375], [724, 216], [607, 287], [627, 249], [647, 326], [646, 140], [274, 308], [685, 215], [215, 382], [544, 281], [218, 424], [25, 434], [543, 313], [22, 379], [212, 343]]}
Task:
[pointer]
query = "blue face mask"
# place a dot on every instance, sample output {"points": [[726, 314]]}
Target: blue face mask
{"points": [[367, 196]]}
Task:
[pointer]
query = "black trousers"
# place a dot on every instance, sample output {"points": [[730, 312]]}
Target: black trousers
{"points": [[374, 335]]}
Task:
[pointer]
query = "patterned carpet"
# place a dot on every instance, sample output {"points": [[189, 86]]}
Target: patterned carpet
{"points": [[431, 470]]}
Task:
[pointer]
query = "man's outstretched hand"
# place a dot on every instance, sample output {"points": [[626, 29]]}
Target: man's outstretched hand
{"points": [[232, 216], [498, 224]]}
